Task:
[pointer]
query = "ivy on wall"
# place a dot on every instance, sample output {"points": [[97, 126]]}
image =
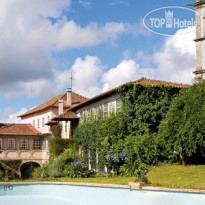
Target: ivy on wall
{"points": [[58, 145], [129, 136]]}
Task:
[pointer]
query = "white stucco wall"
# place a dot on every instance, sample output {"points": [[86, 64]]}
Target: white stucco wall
{"points": [[49, 113]]}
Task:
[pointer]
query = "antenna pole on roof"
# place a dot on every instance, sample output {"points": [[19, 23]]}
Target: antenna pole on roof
{"points": [[71, 81]]}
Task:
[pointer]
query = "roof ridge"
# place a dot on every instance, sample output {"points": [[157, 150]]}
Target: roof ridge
{"points": [[80, 95], [52, 102], [63, 94], [162, 81]]}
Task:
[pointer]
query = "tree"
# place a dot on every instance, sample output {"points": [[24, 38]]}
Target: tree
{"points": [[183, 129]]}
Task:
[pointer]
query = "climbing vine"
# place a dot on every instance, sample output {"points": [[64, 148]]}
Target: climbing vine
{"points": [[130, 136]]}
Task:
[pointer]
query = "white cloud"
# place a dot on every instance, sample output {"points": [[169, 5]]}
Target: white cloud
{"points": [[72, 35], [85, 3], [126, 71], [117, 2], [9, 115], [176, 60], [29, 36], [86, 75]]}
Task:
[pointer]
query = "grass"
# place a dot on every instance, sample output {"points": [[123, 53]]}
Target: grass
{"points": [[177, 176], [99, 180], [172, 176]]}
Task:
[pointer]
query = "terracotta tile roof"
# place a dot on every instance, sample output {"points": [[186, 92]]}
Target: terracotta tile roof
{"points": [[142, 81], [50, 123], [68, 115], [53, 102], [152, 82], [18, 129]]}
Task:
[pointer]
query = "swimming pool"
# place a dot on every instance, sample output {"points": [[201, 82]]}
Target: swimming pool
{"points": [[62, 194]]}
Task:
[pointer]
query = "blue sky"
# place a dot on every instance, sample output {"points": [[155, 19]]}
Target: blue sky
{"points": [[103, 42]]}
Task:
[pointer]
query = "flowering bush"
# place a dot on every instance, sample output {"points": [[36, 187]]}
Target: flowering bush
{"points": [[76, 170]]}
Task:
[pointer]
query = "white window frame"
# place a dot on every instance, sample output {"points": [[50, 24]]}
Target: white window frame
{"points": [[81, 116], [37, 143], [72, 130], [96, 113], [11, 144], [24, 144], [88, 114], [1, 144], [105, 110], [48, 118], [44, 145], [38, 123], [66, 127], [118, 105], [43, 121]]}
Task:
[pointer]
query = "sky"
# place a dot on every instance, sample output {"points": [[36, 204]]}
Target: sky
{"points": [[104, 43]]}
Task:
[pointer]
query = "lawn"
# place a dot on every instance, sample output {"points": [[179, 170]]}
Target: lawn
{"points": [[98, 180], [177, 176], [172, 176]]}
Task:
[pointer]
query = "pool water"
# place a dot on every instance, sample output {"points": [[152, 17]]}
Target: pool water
{"points": [[55, 194]]}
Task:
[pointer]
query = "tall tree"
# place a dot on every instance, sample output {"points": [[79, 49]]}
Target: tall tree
{"points": [[183, 129]]}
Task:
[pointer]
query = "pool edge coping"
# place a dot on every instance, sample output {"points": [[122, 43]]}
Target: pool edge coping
{"points": [[144, 188]]}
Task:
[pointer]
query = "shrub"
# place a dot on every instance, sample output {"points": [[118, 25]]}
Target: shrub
{"points": [[56, 167], [128, 169], [58, 146], [141, 173], [76, 170]]}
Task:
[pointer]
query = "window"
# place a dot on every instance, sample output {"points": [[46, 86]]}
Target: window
{"points": [[11, 144], [34, 123], [48, 118], [96, 113], [118, 105], [72, 130], [65, 126], [105, 111], [1, 144], [81, 116], [37, 144], [43, 122], [44, 145], [38, 125], [88, 115], [24, 144]]}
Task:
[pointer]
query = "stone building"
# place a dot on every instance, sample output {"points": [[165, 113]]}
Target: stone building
{"points": [[200, 40], [23, 143], [42, 114]]}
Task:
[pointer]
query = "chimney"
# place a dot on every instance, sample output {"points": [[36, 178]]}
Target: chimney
{"points": [[60, 107], [69, 102]]}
